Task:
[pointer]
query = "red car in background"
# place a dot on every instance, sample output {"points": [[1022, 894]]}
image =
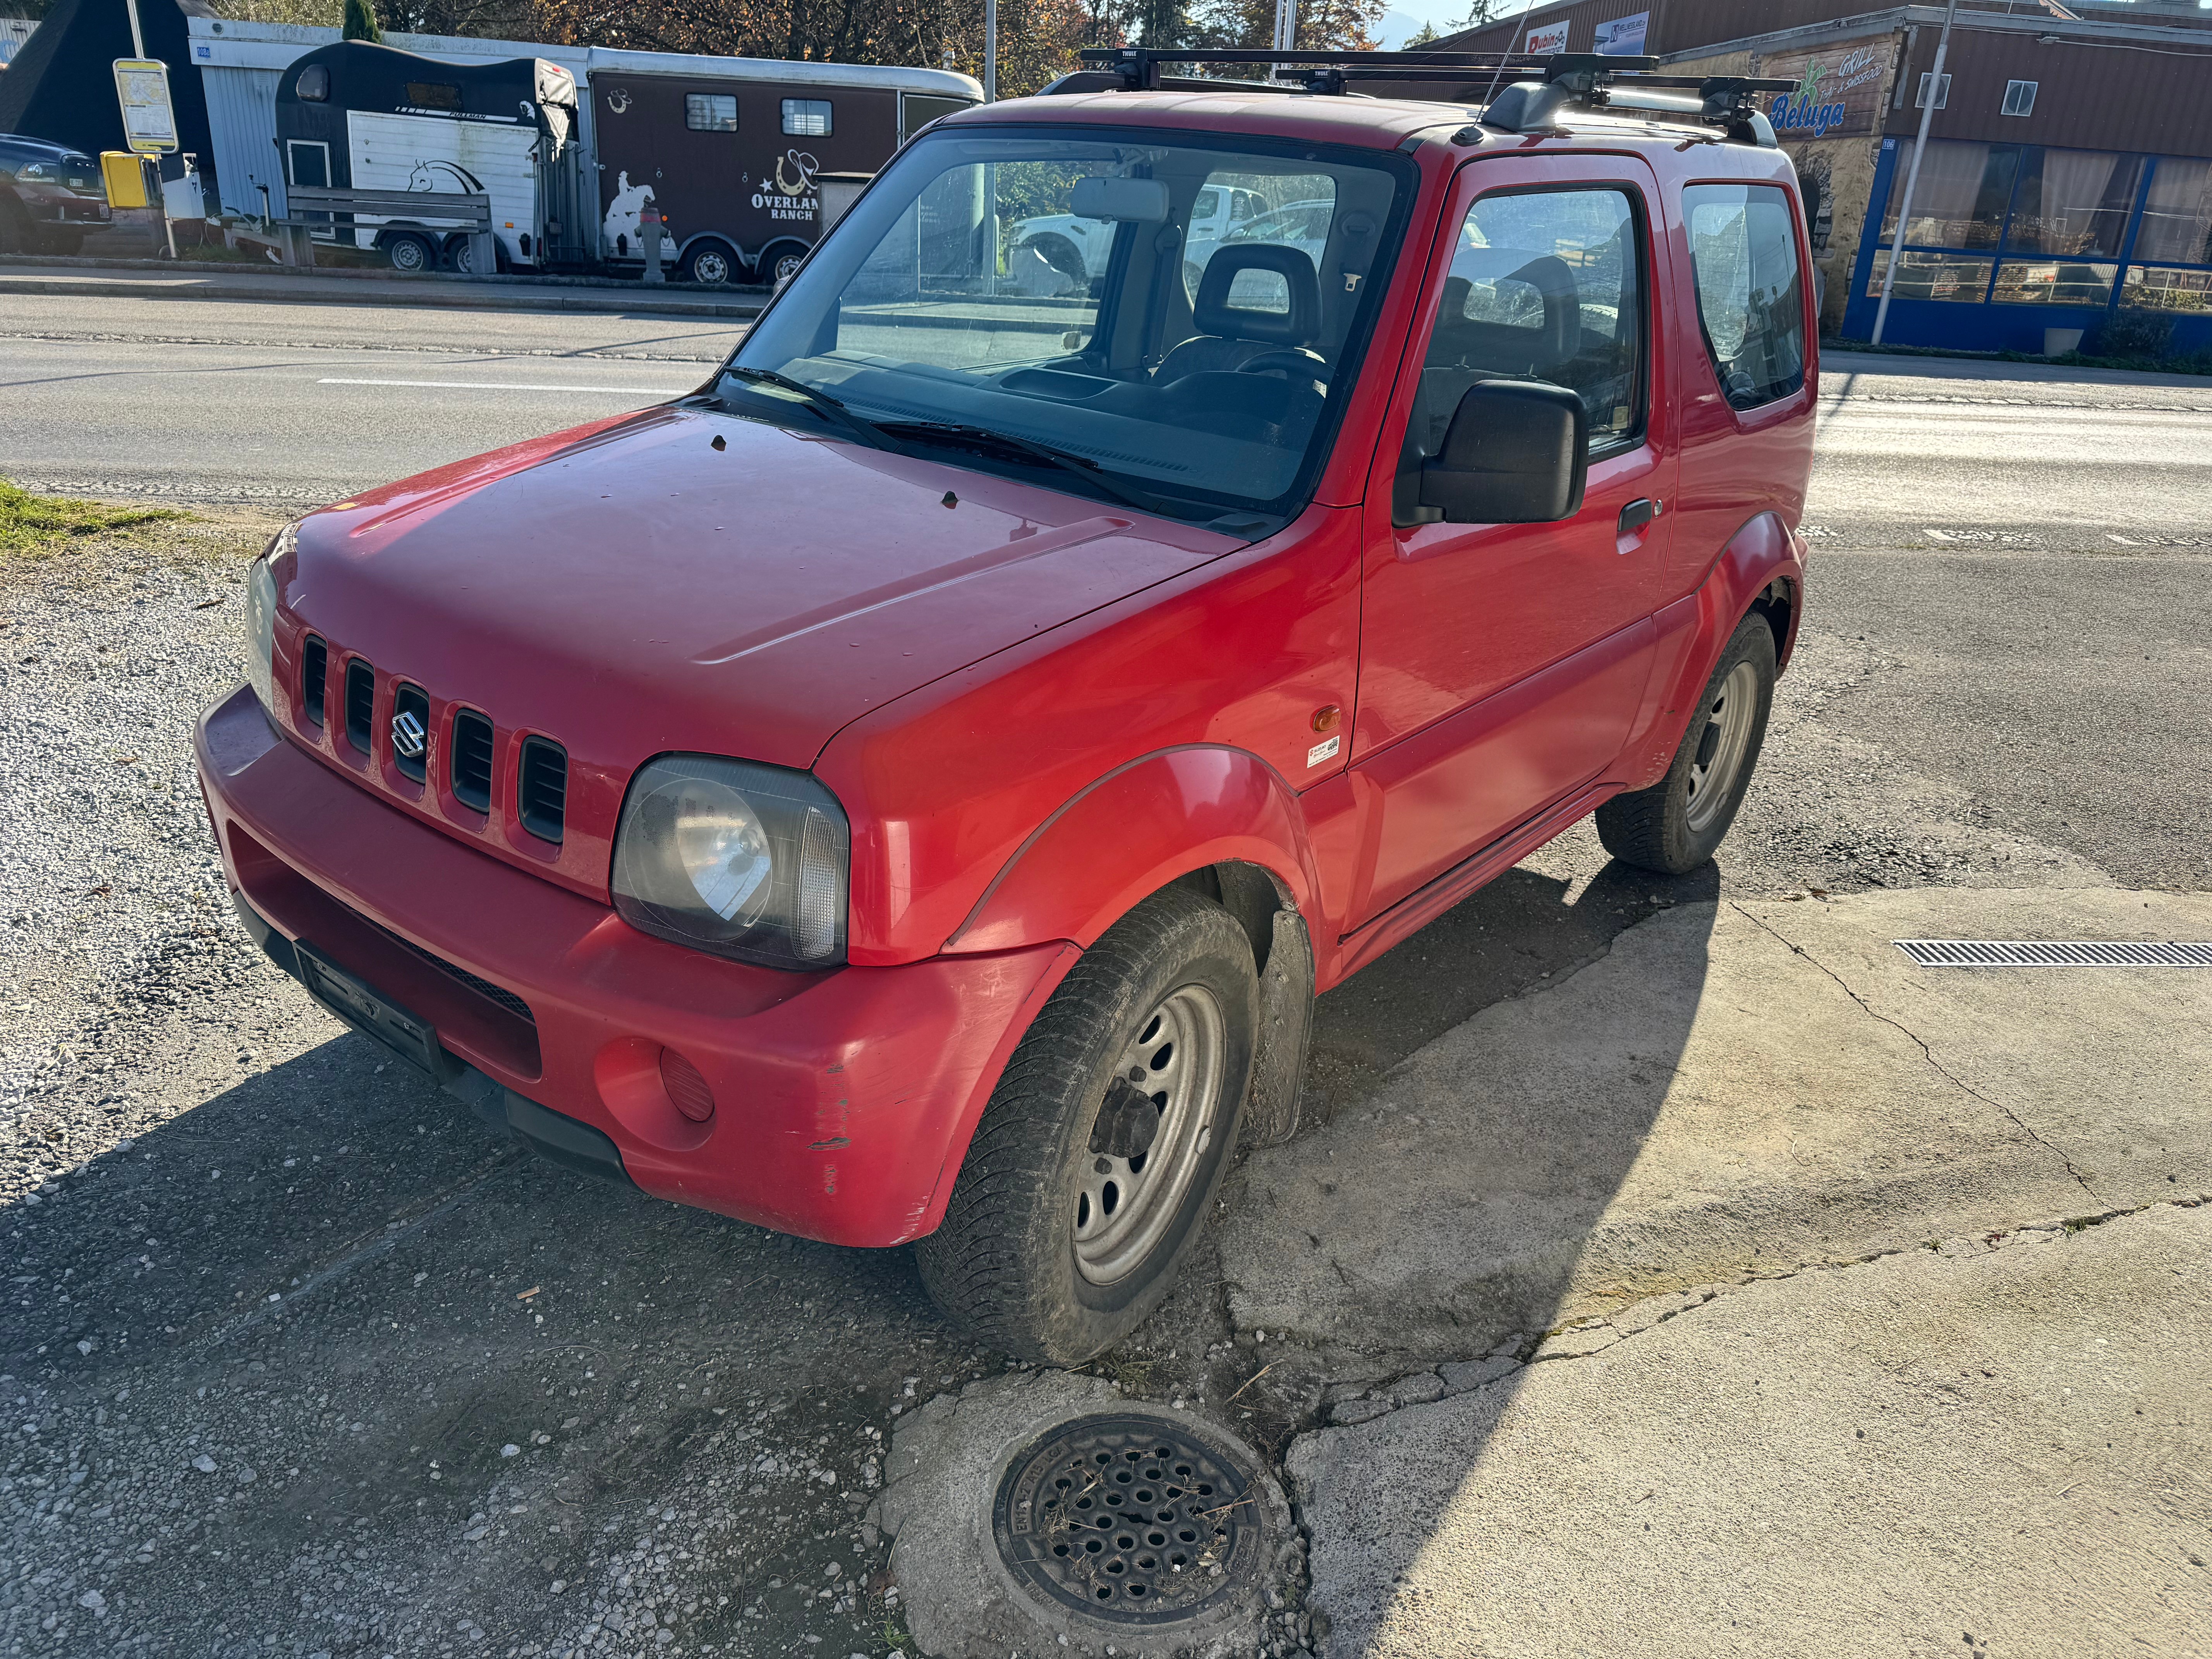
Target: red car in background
{"points": [[912, 789]]}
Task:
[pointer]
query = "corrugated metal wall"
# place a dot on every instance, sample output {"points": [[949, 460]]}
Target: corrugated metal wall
{"points": [[2088, 96], [242, 120]]}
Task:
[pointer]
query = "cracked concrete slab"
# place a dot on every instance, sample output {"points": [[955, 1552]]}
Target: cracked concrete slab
{"points": [[1966, 1449], [1735, 1088]]}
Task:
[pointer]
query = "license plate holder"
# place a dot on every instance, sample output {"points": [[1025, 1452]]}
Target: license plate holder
{"points": [[366, 1009]]}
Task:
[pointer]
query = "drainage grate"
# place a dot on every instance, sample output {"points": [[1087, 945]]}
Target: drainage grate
{"points": [[1133, 1520], [2054, 953]]}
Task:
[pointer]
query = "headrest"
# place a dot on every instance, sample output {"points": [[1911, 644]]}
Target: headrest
{"points": [[1211, 312]]}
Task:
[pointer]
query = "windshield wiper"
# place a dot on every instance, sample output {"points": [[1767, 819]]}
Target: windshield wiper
{"points": [[859, 425], [1082, 466]]}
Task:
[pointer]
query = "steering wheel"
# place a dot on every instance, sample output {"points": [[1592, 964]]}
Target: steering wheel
{"points": [[1295, 360]]}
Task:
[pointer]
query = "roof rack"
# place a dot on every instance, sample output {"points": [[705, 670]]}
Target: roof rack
{"points": [[1529, 91]]}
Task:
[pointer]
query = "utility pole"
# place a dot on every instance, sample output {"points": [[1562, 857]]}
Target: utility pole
{"points": [[1912, 173], [1286, 25], [990, 52]]}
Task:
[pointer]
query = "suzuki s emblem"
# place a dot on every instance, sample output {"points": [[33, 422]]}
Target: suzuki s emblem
{"points": [[408, 736]]}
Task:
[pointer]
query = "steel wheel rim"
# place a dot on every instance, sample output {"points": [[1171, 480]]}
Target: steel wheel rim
{"points": [[711, 269], [407, 255], [1124, 1205], [1729, 709], [787, 267]]}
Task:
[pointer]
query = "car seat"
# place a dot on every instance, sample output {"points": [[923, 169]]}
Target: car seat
{"points": [[1232, 336]]}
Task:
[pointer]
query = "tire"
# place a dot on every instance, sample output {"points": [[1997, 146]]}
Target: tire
{"points": [[66, 242], [1041, 1255], [409, 252], [17, 233], [1676, 825], [711, 265], [780, 262]]}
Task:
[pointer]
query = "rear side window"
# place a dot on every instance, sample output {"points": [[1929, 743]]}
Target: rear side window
{"points": [[807, 118], [1743, 255]]}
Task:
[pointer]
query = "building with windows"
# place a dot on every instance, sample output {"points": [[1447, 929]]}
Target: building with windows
{"points": [[2067, 179]]}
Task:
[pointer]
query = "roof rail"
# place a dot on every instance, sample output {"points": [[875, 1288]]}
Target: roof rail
{"points": [[1535, 89]]}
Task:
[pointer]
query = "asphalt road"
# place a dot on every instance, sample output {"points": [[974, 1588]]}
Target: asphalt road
{"points": [[300, 1361]]}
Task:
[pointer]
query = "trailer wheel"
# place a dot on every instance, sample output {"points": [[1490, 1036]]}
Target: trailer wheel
{"points": [[710, 264], [780, 261], [457, 255], [409, 252]]}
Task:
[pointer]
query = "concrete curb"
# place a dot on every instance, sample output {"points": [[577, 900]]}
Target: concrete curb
{"points": [[464, 295]]}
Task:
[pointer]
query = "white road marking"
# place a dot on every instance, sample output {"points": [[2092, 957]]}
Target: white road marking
{"points": [[515, 386]]}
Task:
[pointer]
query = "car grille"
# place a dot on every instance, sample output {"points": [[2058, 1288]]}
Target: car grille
{"points": [[541, 776], [314, 674], [472, 760], [359, 703], [544, 787], [483, 987]]}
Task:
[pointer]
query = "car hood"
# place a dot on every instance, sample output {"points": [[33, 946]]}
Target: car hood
{"points": [[629, 588]]}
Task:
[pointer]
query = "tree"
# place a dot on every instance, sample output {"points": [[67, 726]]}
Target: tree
{"points": [[360, 23]]}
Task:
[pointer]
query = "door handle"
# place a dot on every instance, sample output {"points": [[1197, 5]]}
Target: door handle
{"points": [[1637, 514]]}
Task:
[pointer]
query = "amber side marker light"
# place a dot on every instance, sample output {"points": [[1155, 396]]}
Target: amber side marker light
{"points": [[1327, 717]]}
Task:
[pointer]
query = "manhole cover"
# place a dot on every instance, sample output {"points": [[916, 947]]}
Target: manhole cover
{"points": [[1133, 1520]]}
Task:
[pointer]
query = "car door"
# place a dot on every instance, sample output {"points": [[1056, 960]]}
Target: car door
{"points": [[1501, 663]]}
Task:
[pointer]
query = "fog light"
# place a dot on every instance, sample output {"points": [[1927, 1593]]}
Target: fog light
{"points": [[687, 1089]]}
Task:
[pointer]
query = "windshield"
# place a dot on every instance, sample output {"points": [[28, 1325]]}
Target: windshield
{"points": [[1087, 300]]}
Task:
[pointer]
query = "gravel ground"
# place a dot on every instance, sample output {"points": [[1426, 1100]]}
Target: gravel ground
{"points": [[297, 1360]]}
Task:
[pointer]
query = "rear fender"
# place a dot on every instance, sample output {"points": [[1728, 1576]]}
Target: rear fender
{"points": [[1133, 832], [1697, 628]]}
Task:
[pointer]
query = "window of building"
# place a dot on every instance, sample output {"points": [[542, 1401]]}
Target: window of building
{"points": [[2162, 288], [710, 111], [433, 94], [807, 118], [1932, 276], [2019, 98], [2052, 283], [1942, 93], [2177, 215], [1743, 256], [1960, 198], [2072, 201]]}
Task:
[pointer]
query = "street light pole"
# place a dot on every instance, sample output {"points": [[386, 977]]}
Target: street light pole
{"points": [[990, 52], [1912, 173]]}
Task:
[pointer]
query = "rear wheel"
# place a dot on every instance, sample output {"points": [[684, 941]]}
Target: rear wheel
{"points": [[710, 264], [1676, 825], [1091, 1172], [409, 252], [780, 261], [16, 231]]}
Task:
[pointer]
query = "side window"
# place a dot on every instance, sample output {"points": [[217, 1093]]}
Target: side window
{"points": [[807, 118], [1544, 285], [710, 111], [1743, 256]]}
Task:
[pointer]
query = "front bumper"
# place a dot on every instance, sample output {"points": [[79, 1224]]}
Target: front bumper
{"points": [[842, 1101]]}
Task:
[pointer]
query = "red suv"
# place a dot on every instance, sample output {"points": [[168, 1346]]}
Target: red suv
{"points": [[912, 789]]}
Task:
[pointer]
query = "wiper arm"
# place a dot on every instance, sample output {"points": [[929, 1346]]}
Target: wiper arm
{"points": [[859, 425], [1082, 466]]}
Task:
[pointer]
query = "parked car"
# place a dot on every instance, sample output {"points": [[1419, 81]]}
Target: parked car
{"points": [[1078, 248], [911, 790], [50, 195]]}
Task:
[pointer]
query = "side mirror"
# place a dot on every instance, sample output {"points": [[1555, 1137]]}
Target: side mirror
{"points": [[1517, 452]]}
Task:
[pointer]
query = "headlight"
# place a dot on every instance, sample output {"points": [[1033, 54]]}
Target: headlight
{"points": [[745, 861], [261, 622]]}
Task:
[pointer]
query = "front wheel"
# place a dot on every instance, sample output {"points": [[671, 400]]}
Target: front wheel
{"points": [[1677, 823], [1091, 1171], [710, 264]]}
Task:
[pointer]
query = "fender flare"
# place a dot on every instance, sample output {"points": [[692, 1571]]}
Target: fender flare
{"points": [[1692, 631], [1134, 830]]}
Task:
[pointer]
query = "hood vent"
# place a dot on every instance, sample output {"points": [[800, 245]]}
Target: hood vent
{"points": [[543, 796], [472, 760]]}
